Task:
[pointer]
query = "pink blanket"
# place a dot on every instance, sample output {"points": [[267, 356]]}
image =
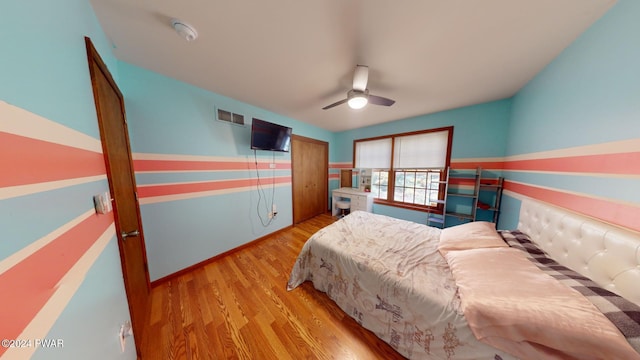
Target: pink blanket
{"points": [[512, 305]]}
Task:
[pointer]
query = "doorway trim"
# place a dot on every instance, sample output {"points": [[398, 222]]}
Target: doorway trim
{"points": [[137, 314]]}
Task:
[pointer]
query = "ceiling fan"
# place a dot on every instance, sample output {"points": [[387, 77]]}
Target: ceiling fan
{"points": [[359, 96]]}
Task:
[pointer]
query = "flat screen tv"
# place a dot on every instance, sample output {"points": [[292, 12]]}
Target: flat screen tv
{"points": [[269, 136]]}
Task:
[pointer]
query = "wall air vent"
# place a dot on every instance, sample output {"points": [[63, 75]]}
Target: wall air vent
{"points": [[228, 116]]}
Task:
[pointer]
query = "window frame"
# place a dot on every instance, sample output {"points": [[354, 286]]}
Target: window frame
{"points": [[389, 201]]}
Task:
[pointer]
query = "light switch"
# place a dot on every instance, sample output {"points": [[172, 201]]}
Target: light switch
{"points": [[102, 203]]}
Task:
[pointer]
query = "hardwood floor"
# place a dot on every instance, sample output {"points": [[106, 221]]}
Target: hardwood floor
{"points": [[237, 307]]}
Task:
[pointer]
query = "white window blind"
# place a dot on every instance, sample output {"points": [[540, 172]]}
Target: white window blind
{"points": [[374, 154], [426, 150]]}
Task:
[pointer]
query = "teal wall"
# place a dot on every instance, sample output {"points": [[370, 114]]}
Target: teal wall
{"points": [[480, 131], [44, 71], [44, 62], [173, 119], [588, 96]]}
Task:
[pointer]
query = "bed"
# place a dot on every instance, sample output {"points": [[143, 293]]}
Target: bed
{"points": [[399, 280]]}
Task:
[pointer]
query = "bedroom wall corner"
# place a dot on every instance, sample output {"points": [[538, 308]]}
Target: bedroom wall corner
{"points": [[479, 139], [574, 138], [59, 262], [197, 175]]}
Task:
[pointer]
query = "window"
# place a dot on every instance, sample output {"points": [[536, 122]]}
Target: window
{"points": [[407, 168], [417, 186]]}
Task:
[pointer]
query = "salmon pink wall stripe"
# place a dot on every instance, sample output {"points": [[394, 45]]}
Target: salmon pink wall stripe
{"points": [[141, 165], [27, 251], [334, 169], [43, 155], [462, 181], [341, 165], [147, 191], [618, 164], [34, 161], [485, 164], [40, 155], [611, 160], [617, 158], [617, 213], [611, 147], [35, 279], [21, 122], [200, 194], [40, 325], [148, 163], [20, 190]]}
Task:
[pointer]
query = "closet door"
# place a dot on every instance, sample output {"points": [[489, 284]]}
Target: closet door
{"points": [[310, 167]]}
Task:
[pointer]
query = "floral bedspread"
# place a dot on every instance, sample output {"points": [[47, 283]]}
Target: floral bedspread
{"points": [[388, 275]]}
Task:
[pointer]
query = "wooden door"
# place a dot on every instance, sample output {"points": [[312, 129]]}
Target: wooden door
{"points": [[310, 171], [115, 143]]}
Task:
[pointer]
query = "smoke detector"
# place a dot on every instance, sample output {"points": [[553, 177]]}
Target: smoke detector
{"points": [[185, 30]]}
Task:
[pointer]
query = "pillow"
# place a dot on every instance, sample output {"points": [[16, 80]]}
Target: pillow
{"points": [[472, 235], [511, 304], [624, 314]]}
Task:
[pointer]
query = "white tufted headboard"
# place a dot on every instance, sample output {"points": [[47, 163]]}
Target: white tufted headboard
{"points": [[606, 254]]}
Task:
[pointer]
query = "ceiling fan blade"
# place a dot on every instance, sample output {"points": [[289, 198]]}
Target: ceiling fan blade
{"points": [[360, 77], [335, 104], [379, 100]]}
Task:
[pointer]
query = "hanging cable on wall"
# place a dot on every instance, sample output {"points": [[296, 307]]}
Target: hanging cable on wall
{"points": [[261, 192]]}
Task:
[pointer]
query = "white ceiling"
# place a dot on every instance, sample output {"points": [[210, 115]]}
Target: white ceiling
{"points": [[295, 57]]}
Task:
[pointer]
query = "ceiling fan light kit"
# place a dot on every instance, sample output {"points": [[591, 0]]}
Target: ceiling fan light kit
{"points": [[358, 97], [186, 31]]}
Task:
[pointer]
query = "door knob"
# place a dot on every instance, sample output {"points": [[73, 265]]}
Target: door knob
{"points": [[130, 233]]}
